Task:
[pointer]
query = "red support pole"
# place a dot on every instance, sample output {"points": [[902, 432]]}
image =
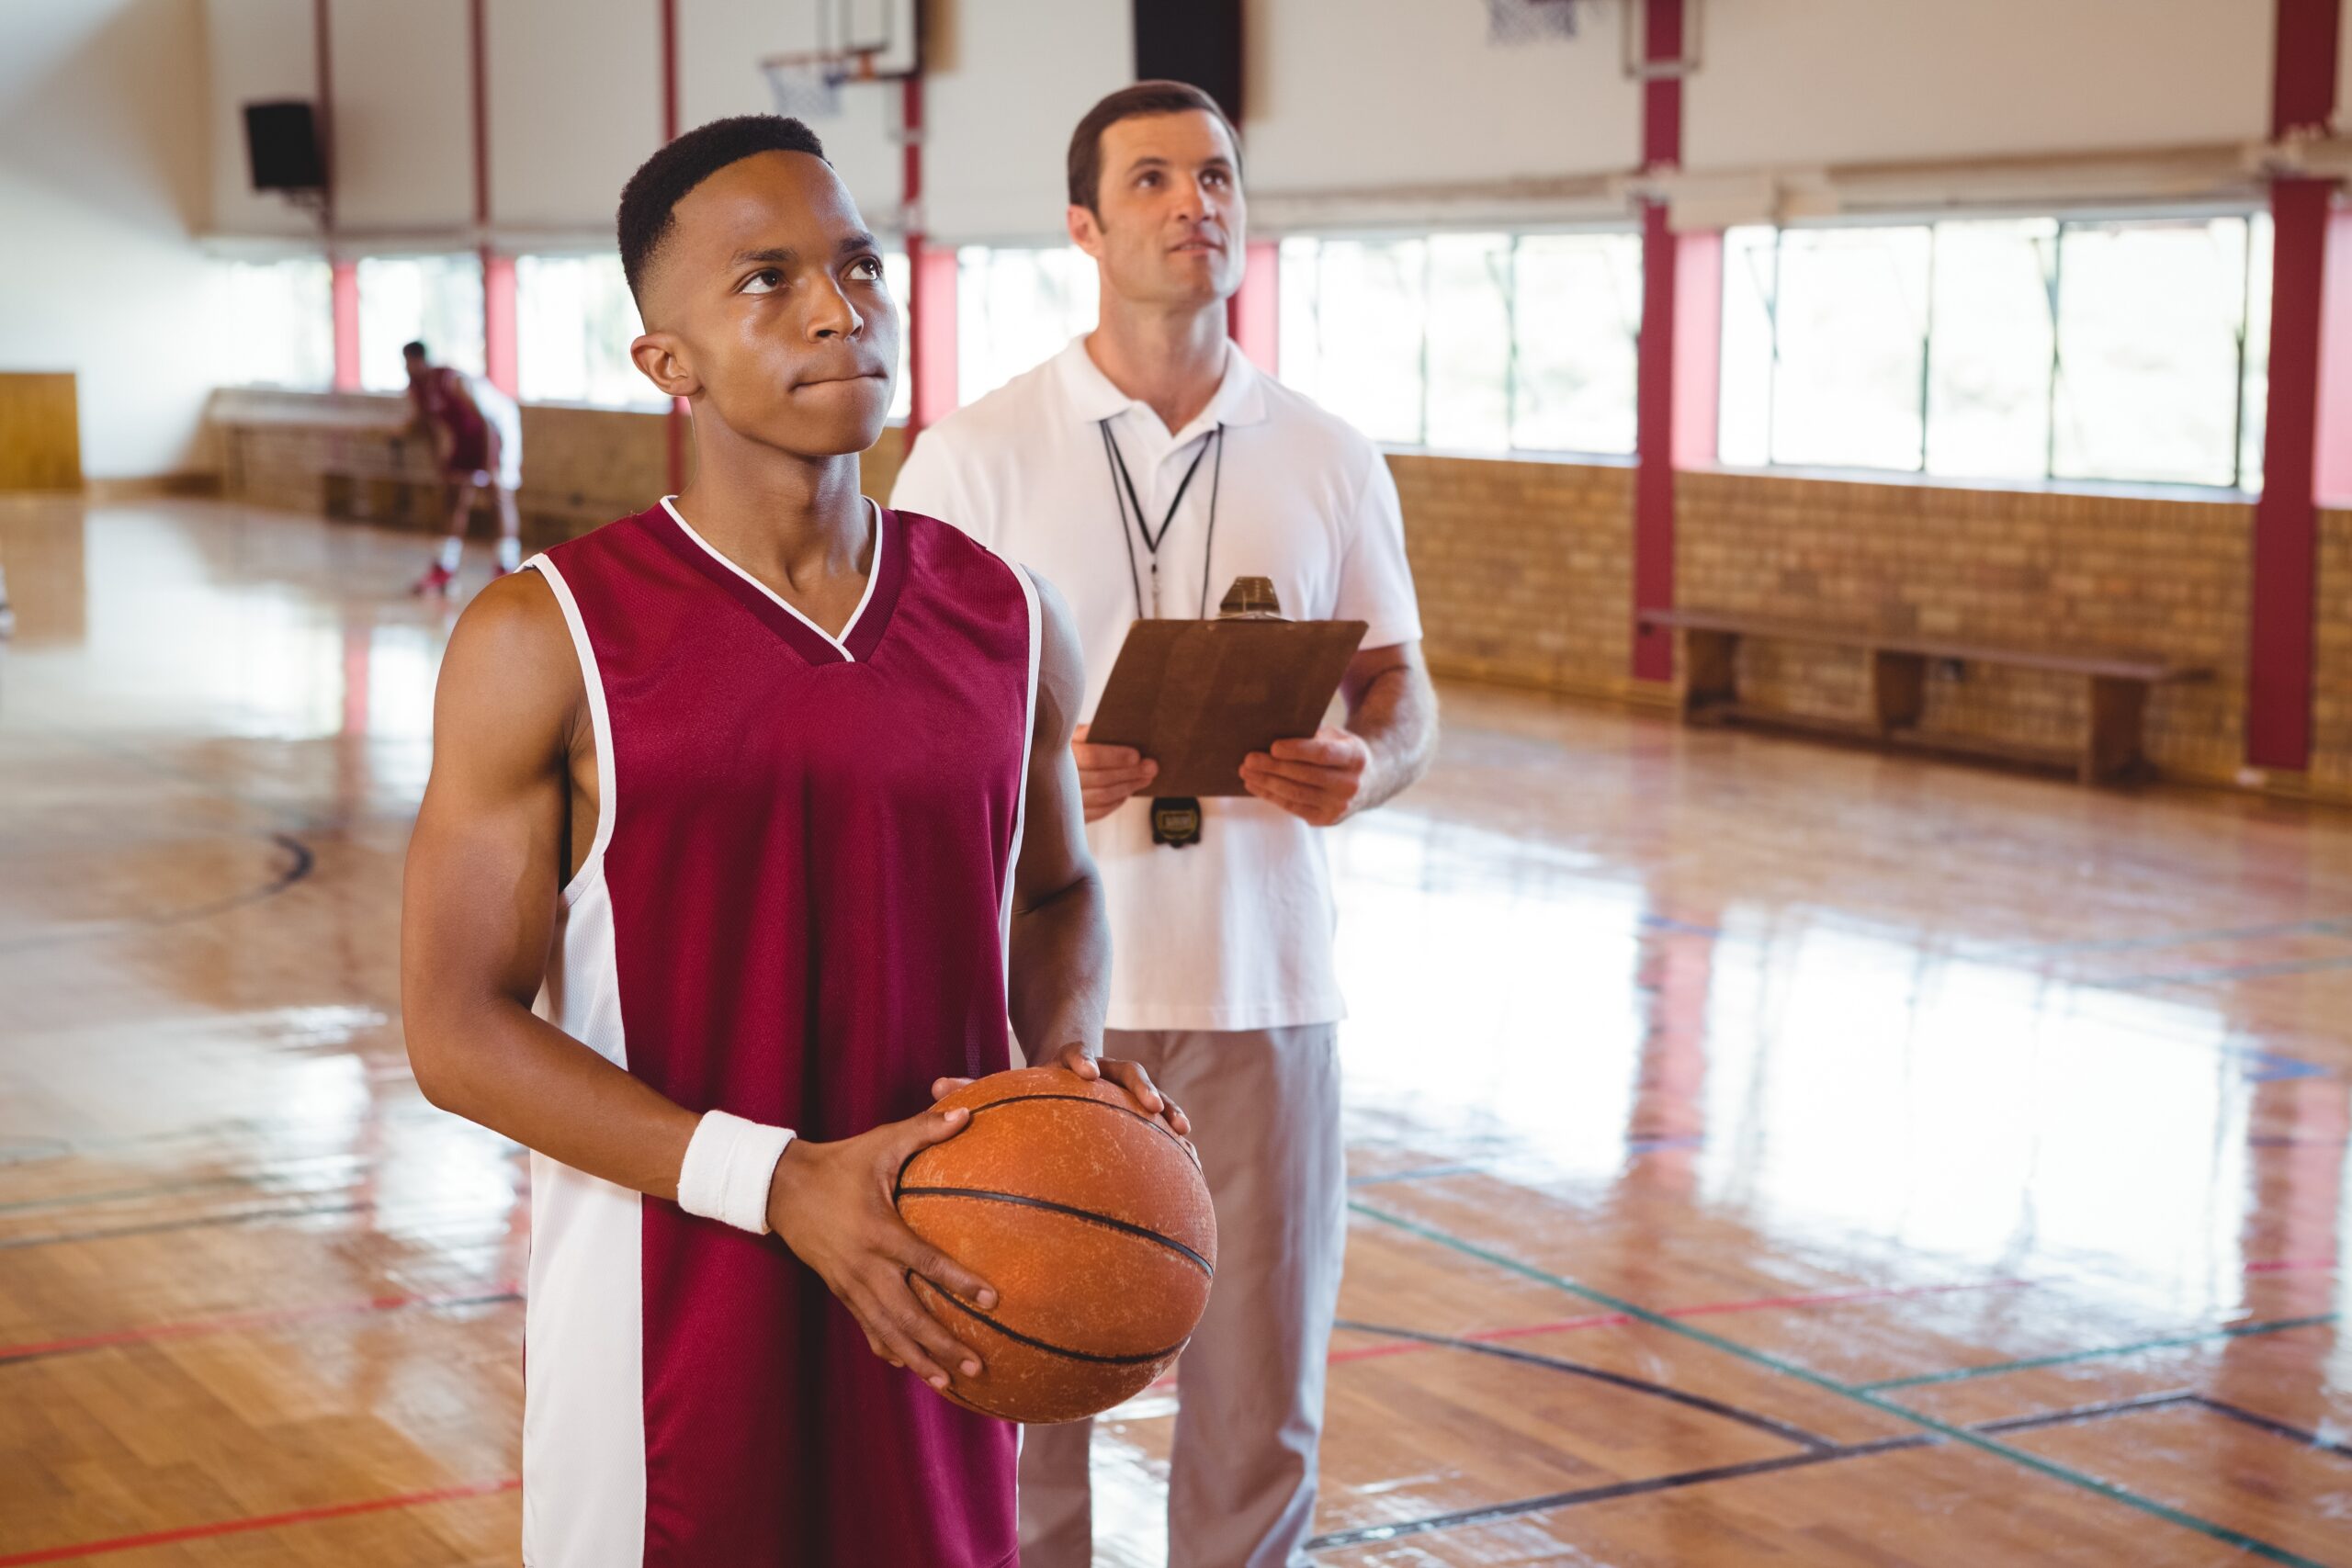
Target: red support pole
{"points": [[2280, 650], [501, 357], [344, 284], [680, 427], [1253, 316], [2333, 484], [1655, 407], [930, 290]]}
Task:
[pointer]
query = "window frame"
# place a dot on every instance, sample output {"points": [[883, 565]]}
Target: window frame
{"points": [[1515, 236], [2049, 480]]}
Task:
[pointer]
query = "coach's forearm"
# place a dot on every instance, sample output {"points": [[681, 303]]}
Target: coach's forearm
{"points": [[501, 1065], [1396, 717], [1060, 984]]}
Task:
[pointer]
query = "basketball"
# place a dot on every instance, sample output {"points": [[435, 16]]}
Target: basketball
{"points": [[1092, 1222]]}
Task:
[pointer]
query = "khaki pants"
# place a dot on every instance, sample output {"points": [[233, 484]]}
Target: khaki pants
{"points": [[1265, 1111]]}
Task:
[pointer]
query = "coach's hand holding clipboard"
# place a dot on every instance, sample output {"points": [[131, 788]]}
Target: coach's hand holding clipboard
{"points": [[1197, 697]]}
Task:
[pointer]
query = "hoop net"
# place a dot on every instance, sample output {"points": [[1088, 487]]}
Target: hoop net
{"points": [[809, 86]]}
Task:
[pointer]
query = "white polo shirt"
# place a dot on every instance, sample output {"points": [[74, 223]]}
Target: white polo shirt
{"points": [[1234, 931]]}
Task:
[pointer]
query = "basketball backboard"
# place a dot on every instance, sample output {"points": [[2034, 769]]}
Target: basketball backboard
{"points": [[854, 40]]}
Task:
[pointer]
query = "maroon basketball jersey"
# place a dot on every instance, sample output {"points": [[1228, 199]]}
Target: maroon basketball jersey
{"points": [[794, 910]]}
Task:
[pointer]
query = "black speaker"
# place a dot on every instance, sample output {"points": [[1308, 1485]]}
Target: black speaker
{"points": [[1193, 40], [282, 147]]}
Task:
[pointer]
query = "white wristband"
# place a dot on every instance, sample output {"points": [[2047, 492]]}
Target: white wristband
{"points": [[729, 1162]]}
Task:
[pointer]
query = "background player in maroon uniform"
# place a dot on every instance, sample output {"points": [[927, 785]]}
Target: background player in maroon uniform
{"points": [[477, 435], [754, 785]]}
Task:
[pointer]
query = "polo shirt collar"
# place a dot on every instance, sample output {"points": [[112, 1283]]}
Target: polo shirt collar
{"points": [[1091, 396]]}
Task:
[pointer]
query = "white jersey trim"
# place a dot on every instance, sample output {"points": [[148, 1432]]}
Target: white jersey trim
{"points": [[1028, 749], [592, 865], [873, 575]]}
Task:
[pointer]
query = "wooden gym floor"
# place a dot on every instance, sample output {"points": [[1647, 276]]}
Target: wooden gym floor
{"points": [[1763, 1154]]}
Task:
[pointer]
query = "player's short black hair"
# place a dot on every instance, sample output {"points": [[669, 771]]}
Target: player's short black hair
{"points": [[1084, 163], [413, 351], [653, 194]]}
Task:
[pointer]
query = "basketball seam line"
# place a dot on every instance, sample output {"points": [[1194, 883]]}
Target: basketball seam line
{"points": [[1089, 1216], [1053, 1350], [1074, 1099], [1149, 1122]]}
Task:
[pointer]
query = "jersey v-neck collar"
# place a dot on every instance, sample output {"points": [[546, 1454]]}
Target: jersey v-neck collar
{"points": [[859, 638]]}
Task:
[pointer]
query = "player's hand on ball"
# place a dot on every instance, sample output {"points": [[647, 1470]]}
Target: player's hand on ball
{"points": [[1318, 781], [1128, 1076], [1109, 775], [831, 1205]]}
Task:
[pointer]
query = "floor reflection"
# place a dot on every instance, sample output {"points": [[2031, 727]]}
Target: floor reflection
{"points": [[1703, 1090]]}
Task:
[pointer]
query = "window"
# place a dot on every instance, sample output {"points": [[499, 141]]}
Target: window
{"points": [[436, 299], [900, 282], [2021, 349], [277, 323], [1473, 342], [1015, 308], [2150, 351], [574, 321]]}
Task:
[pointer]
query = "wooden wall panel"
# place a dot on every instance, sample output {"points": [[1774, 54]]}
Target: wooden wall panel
{"points": [[40, 431]]}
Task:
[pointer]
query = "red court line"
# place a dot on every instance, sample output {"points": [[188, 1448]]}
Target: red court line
{"points": [[261, 1522], [275, 1318], [1709, 1308], [2289, 1265]]}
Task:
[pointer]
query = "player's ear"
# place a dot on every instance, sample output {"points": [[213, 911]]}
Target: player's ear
{"points": [[1085, 230], [662, 358]]}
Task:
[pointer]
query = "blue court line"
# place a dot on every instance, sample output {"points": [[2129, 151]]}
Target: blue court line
{"points": [[2220, 973], [2325, 926], [2235, 1331], [2033, 1461], [1678, 928], [1439, 1172]]}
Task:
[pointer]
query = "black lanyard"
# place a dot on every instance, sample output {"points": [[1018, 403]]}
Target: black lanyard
{"points": [[1122, 494]]}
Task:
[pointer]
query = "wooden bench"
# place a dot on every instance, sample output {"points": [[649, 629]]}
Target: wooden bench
{"points": [[2119, 685]]}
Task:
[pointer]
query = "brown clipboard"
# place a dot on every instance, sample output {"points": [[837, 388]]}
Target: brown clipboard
{"points": [[1198, 696]]}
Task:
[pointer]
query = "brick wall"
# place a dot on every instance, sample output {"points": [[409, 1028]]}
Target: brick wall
{"points": [[2029, 568], [1525, 569], [2332, 728], [340, 454]]}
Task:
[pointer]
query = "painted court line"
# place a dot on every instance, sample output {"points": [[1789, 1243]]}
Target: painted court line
{"points": [[2235, 1331], [1708, 1309], [2028, 1459], [1492, 1513], [274, 1318], [261, 1522]]}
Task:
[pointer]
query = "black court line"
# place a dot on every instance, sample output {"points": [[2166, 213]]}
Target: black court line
{"points": [[1493, 1513], [2255, 1419], [1810, 1442], [254, 1323], [1861, 1394], [299, 864], [164, 1228]]}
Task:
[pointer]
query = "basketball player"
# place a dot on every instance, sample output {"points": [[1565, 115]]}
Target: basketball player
{"points": [[477, 435], [1144, 468], [766, 795]]}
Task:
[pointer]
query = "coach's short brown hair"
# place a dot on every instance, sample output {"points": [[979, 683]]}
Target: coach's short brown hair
{"points": [[1132, 103]]}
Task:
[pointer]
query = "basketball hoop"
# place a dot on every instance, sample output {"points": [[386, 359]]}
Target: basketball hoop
{"points": [[808, 86]]}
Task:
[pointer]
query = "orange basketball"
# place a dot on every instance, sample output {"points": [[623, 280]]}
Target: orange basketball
{"points": [[1091, 1221]]}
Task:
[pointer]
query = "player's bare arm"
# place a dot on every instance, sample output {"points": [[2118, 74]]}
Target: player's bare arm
{"points": [[1061, 938], [513, 780], [1385, 747]]}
